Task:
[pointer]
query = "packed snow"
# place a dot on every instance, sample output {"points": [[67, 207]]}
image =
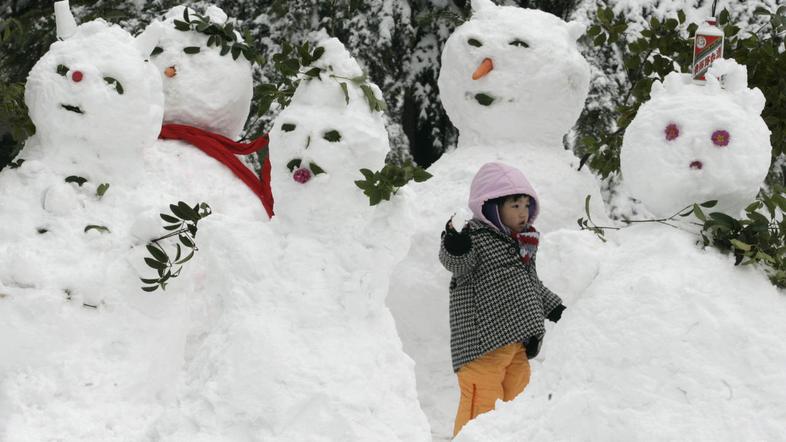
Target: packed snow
{"points": [[330, 320]]}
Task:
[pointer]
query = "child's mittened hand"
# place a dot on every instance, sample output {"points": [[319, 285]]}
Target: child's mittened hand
{"points": [[556, 314], [456, 243], [459, 219]]}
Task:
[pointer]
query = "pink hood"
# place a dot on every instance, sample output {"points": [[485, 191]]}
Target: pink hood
{"points": [[494, 180]]}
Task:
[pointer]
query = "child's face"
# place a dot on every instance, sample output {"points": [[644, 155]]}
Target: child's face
{"points": [[515, 213]]}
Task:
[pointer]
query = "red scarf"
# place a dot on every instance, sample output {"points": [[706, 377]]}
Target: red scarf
{"points": [[528, 243], [224, 150]]}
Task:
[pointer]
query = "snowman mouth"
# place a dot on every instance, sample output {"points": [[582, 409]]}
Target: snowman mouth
{"points": [[696, 165], [303, 174], [70, 108]]}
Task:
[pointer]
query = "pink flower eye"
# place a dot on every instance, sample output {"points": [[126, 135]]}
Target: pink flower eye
{"points": [[720, 138], [672, 131]]}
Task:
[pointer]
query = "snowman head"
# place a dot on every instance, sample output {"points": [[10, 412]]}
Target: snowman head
{"points": [[93, 97], [513, 75], [692, 143], [203, 88], [322, 139]]}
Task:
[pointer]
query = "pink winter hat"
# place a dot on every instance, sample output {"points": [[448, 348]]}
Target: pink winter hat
{"points": [[494, 180]]}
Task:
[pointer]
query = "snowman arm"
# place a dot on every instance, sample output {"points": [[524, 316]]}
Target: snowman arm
{"points": [[457, 264]]}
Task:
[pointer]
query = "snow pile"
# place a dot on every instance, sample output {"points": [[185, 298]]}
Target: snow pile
{"points": [[692, 143], [668, 339], [203, 89]]}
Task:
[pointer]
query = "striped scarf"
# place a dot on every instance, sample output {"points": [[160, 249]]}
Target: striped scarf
{"points": [[528, 243]]}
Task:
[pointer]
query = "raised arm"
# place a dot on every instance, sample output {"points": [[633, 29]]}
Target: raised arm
{"points": [[455, 252]]}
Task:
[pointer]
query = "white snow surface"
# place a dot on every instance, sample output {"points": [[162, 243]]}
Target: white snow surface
{"points": [[672, 135], [317, 325]]}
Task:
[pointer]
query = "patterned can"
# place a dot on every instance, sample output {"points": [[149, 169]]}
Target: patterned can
{"points": [[707, 47]]}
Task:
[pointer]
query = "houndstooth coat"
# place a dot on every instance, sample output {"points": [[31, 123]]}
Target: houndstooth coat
{"points": [[495, 299]]}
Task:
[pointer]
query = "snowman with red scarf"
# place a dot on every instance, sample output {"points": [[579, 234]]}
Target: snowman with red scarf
{"points": [[208, 88]]}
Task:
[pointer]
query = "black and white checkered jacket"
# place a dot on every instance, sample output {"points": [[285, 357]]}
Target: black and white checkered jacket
{"points": [[495, 299]]}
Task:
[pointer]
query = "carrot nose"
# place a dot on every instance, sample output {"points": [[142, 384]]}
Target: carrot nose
{"points": [[485, 67], [170, 71]]}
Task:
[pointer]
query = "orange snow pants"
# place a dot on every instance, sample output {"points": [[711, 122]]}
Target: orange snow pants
{"points": [[499, 374]]}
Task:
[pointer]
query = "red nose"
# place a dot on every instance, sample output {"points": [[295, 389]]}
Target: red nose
{"points": [[77, 76]]}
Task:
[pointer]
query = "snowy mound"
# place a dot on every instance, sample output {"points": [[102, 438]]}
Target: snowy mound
{"points": [[692, 143], [94, 98], [203, 89], [537, 82], [690, 352]]}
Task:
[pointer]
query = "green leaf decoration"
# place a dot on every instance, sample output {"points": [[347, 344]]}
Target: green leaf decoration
{"points": [[345, 91], [169, 218], [474, 42], [102, 229], [157, 252], [318, 52], [76, 179], [288, 127], [484, 99], [116, 84], [191, 50], [519, 43], [102, 188], [182, 26], [294, 164], [62, 69], [333, 136], [315, 169], [157, 50]]}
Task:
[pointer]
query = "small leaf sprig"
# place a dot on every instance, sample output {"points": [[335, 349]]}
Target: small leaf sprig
{"points": [[293, 63], [182, 223], [223, 36], [381, 185]]}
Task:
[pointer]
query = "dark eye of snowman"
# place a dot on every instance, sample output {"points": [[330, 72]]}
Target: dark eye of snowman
{"points": [[288, 127], [191, 50], [157, 50], [333, 136], [474, 42], [62, 69], [671, 132], [113, 83], [519, 43]]}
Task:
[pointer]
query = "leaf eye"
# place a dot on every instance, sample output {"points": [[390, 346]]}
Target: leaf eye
{"points": [[288, 127], [113, 82], [520, 43], [294, 164], [474, 42], [191, 50], [157, 50], [62, 69], [333, 136]]}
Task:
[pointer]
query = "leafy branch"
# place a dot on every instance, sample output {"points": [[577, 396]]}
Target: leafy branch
{"points": [[182, 224], [224, 36], [599, 231], [381, 185]]}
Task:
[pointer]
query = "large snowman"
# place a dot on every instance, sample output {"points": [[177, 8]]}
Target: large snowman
{"points": [[306, 319], [79, 343], [208, 94], [692, 143], [513, 82]]}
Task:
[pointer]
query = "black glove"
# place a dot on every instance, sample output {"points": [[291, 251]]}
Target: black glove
{"points": [[556, 314], [532, 346], [456, 243]]}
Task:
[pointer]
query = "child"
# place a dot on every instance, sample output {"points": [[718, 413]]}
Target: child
{"points": [[497, 302]]}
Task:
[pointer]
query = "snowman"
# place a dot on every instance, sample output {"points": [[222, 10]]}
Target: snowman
{"points": [[306, 318], [208, 88], [513, 82], [693, 143], [79, 344]]}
